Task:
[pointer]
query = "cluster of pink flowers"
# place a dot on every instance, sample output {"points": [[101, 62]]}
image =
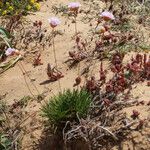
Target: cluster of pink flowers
{"points": [[106, 16], [54, 21]]}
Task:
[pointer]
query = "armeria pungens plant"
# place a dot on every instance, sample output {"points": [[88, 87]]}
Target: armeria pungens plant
{"points": [[74, 8], [66, 106], [54, 22]]}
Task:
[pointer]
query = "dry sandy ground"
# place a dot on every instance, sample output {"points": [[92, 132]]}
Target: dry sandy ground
{"points": [[13, 85]]}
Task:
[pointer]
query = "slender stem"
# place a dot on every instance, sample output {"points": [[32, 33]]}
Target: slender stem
{"points": [[76, 32], [93, 67], [23, 68], [26, 80], [55, 57], [79, 69]]}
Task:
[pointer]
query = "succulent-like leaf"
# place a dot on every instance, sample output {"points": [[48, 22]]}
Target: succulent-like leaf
{"points": [[5, 36], [5, 33]]}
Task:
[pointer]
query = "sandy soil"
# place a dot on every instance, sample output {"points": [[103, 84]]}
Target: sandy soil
{"points": [[13, 85]]}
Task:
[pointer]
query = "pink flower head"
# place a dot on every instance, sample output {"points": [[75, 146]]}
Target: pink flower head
{"points": [[74, 6], [54, 22], [106, 15], [10, 51]]}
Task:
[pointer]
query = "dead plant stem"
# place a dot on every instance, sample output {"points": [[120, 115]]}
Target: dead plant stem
{"points": [[26, 81], [29, 78]]}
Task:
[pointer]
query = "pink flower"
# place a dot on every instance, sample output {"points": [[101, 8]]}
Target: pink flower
{"points": [[74, 6], [54, 22], [10, 51], [106, 15]]}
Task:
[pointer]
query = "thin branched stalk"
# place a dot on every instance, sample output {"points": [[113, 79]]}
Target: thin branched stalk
{"points": [[55, 57], [23, 68], [26, 81], [76, 33]]}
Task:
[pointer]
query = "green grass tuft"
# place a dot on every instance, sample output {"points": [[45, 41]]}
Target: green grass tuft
{"points": [[65, 106]]}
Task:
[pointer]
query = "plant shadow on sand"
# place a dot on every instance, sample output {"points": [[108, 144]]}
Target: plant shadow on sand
{"points": [[51, 141], [47, 82], [71, 65]]}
